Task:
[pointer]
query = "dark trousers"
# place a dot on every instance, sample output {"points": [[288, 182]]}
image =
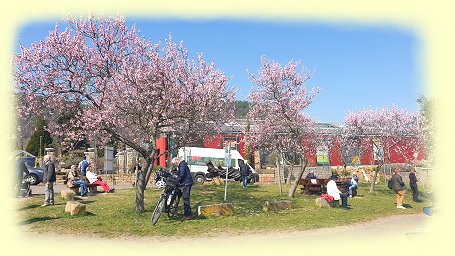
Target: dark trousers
{"points": [[415, 193], [344, 200], [186, 201]]}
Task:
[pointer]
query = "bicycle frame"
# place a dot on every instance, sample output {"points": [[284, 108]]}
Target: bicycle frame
{"points": [[169, 198]]}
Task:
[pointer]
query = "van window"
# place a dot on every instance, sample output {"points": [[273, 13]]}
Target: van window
{"points": [[201, 160]]}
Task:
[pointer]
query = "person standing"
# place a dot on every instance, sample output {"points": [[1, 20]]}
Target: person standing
{"points": [[333, 191], [22, 172], [399, 187], [49, 178], [184, 178], [243, 173], [413, 184], [83, 165]]}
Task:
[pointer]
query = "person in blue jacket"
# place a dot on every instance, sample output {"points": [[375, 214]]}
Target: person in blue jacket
{"points": [[184, 178]]}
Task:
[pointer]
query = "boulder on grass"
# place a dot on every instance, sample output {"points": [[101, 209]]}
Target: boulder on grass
{"points": [[321, 202], [216, 210], [68, 194], [277, 205], [73, 207]]}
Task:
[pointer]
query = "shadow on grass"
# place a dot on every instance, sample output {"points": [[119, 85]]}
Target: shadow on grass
{"points": [[407, 205], [85, 214], [37, 219], [32, 206], [86, 201]]}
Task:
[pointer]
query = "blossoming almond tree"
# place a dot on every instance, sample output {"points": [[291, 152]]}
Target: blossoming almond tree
{"points": [[390, 131], [278, 123], [120, 86]]}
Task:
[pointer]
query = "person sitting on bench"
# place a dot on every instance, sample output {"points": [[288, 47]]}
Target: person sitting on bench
{"points": [[333, 190], [311, 175], [95, 179], [74, 180], [353, 183]]}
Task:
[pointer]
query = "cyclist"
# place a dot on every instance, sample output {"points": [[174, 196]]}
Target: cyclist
{"points": [[184, 178]]}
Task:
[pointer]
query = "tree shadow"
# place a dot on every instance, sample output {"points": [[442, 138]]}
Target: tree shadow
{"points": [[37, 219], [32, 206]]}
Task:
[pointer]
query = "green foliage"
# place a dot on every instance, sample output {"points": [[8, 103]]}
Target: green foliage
{"points": [[116, 214], [241, 109], [426, 106], [33, 145]]}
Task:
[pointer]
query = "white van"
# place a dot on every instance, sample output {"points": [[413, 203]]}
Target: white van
{"points": [[197, 159]]}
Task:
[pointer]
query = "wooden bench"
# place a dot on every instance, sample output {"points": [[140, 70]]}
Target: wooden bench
{"points": [[313, 186], [319, 186], [92, 188]]}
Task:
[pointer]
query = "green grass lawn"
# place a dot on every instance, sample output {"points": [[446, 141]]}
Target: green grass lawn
{"points": [[112, 215]]}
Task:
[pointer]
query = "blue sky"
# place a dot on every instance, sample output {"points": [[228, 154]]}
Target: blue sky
{"points": [[356, 66]]}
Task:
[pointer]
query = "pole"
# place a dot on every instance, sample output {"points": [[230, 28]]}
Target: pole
{"points": [[40, 150], [228, 160]]}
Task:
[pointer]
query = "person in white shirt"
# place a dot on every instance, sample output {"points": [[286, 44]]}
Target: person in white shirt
{"points": [[354, 181], [95, 179], [333, 190]]}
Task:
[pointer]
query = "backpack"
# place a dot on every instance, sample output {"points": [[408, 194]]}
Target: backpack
{"points": [[389, 184]]}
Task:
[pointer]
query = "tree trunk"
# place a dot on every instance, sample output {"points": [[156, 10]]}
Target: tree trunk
{"points": [[290, 170], [279, 176], [373, 180], [297, 179], [142, 179], [140, 188]]}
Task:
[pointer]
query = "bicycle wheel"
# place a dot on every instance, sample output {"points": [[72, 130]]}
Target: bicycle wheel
{"points": [[174, 207], [158, 210]]}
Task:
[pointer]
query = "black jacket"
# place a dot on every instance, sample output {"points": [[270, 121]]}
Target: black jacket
{"points": [[244, 170], [49, 172], [412, 180], [184, 176]]}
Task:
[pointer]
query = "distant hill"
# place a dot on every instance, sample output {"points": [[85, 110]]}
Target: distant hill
{"points": [[241, 109]]}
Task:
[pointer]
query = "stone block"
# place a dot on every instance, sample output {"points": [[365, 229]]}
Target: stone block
{"points": [[73, 207], [67, 194], [277, 205], [225, 209], [321, 202]]}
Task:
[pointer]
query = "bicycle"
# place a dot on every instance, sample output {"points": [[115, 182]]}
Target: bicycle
{"points": [[170, 197]]}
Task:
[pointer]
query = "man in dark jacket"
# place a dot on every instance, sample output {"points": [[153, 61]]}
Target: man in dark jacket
{"points": [[22, 171], [184, 178], [399, 187], [48, 179], [413, 185], [244, 172]]}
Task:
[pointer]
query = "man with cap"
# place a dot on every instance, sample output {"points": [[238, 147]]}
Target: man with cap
{"points": [[184, 178]]}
